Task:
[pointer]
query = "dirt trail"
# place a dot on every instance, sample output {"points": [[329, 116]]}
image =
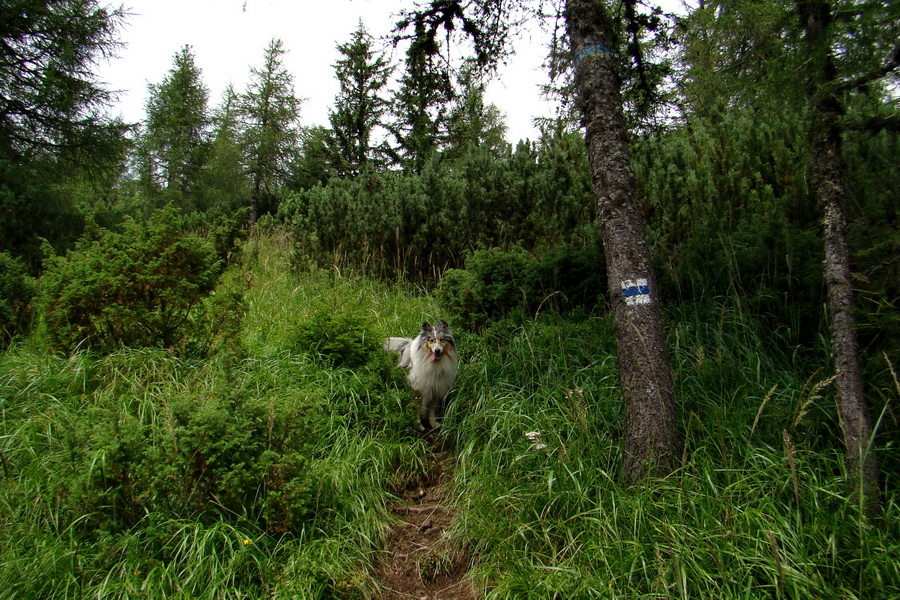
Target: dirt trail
{"points": [[420, 561]]}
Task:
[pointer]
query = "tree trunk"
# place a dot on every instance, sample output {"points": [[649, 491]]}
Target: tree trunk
{"points": [[254, 200], [651, 433], [862, 472], [830, 190]]}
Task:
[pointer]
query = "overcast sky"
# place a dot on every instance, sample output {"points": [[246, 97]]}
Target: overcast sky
{"points": [[228, 38]]}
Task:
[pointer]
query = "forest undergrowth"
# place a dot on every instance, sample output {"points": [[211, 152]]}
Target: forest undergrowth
{"points": [[269, 469]]}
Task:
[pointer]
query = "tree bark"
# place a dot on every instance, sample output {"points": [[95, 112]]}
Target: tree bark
{"points": [[830, 190], [651, 434]]}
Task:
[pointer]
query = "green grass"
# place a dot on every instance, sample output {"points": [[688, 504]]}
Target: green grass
{"points": [[555, 521], [268, 472]]}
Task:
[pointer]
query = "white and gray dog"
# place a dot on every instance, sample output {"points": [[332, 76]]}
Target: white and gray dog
{"points": [[431, 361]]}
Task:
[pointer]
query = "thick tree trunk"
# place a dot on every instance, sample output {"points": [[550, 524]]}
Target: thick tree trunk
{"points": [[651, 434], [828, 184]]}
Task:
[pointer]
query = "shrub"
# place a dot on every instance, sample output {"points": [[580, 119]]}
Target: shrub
{"points": [[143, 287], [338, 335], [17, 291], [496, 283]]}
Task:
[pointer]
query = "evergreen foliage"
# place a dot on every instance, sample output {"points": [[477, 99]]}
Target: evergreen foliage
{"points": [[419, 107], [730, 214], [176, 133], [358, 107], [144, 287], [421, 224], [17, 292], [223, 184], [497, 285], [55, 136], [269, 111], [472, 123], [336, 334], [49, 100]]}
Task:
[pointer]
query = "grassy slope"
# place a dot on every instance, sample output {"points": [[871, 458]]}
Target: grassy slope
{"points": [[268, 474], [758, 509]]}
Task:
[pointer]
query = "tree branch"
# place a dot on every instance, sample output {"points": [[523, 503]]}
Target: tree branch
{"points": [[875, 123], [862, 80]]}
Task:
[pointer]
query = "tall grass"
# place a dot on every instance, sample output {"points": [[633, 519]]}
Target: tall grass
{"points": [[142, 474], [759, 507], [268, 474]]}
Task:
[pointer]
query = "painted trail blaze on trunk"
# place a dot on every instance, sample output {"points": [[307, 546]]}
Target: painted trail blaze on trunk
{"points": [[644, 372]]}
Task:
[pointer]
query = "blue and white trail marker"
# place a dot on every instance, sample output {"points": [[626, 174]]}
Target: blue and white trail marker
{"points": [[636, 291]]}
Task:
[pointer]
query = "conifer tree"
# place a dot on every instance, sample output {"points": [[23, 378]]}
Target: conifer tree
{"points": [[359, 108], [314, 164], [176, 133], [53, 116], [50, 101], [270, 113], [472, 122], [224, 182], [825, 90], [810, 59], [419, 106]]}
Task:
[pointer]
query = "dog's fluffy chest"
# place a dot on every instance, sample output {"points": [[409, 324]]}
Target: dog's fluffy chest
{"points": [[431, 376]]}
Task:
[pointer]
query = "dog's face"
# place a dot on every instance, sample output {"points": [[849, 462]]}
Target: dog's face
{"points": [[437, 341]]}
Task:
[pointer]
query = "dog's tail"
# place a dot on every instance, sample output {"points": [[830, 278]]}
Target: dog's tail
{"points": [[402, 347]]}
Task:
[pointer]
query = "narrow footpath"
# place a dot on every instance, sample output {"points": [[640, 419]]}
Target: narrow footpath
{"points": [[420, 561]]}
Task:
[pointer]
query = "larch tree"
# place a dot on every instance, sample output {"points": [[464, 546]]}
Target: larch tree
{"points": [[54, 124], [269, 113], [601, 41], [826, 89], [811, 59], [50, 100], [359, 107]]}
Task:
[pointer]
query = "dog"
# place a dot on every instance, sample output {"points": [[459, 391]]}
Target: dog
{"points": [[431, 361]]}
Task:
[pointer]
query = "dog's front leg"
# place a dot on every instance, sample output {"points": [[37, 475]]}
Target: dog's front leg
{"points": [[428, 414]]}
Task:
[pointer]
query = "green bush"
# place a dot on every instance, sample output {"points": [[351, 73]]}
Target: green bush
{"points": [[420, 224], [495, 284], [17, 292], [144, 287], [340, 336]]}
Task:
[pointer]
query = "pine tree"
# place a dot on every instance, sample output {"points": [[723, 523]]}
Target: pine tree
{"points": [[358, 109], [269, 112]]}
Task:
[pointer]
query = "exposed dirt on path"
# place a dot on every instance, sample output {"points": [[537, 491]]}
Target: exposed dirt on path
{"points": [[420, 560]]}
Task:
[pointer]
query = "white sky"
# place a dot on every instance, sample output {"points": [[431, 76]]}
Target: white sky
{"points": [[228, 39]]}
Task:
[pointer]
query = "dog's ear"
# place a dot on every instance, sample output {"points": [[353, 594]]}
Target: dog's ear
{"points": [[443, 325], [426, 326]]}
